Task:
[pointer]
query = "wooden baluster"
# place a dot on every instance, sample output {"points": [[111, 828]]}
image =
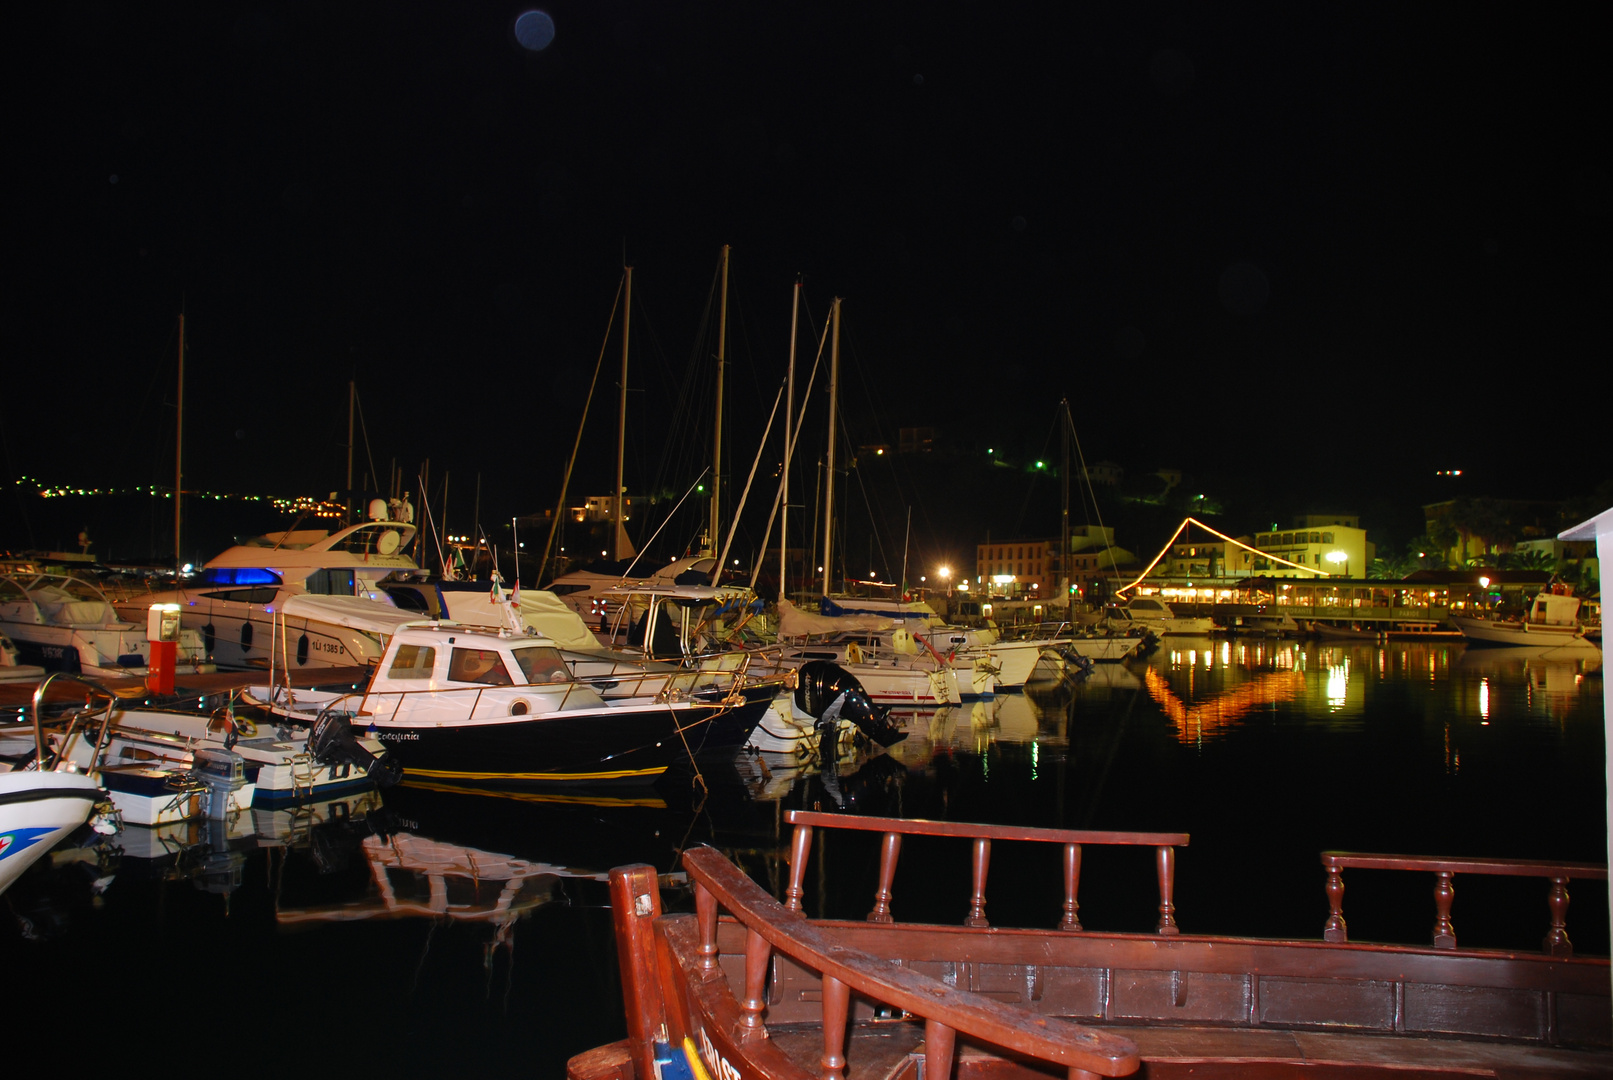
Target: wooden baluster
{"points": [[887, 873], [705, 910], [836, 1009], [1557, 943], [1072, 883], [977, 899], [635, 901], [800, 845], [939, 1042], [1444, 894], [1167, 885], [1335, 930], [757, 953]]}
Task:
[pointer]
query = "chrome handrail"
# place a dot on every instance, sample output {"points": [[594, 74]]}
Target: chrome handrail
{"points": [[39, 697]]}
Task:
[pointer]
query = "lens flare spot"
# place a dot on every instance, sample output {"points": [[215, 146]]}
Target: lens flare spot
{"points": [[534, 30]]}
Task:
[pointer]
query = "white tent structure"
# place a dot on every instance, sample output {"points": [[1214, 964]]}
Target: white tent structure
{"points": [[1600, 529]]}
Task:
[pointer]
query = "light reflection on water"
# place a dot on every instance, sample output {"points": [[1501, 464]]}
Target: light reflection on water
{"points": [[1267, 751]]}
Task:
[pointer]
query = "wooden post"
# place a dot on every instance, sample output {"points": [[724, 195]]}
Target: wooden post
{"points": [[939, 1041], [1072, 884], [705, 910], [635, 901], [1557, 943], [800, 845], [1167, 885], [888, 851], [1444, 894], [836, 1010], [757, 953], [1335, 930], [977, 898]]}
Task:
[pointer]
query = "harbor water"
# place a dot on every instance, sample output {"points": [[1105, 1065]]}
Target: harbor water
{"points": [[423, 928]]}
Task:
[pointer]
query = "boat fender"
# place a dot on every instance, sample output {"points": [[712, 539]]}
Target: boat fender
{"points": [[854, 653]]}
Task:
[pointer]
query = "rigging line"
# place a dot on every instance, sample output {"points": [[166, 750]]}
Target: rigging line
{"points": [[789, 452], [716, 573], [565, 483], [628, 573], [1069, 426], [425, 500], [364, 428]]}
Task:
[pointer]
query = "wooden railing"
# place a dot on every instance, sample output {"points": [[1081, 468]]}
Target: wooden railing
{"points": [[893, 829], [1556, 942], [945, 1010]]}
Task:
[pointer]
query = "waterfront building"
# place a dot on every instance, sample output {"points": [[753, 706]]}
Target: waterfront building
{"points": [[1031, 569]]}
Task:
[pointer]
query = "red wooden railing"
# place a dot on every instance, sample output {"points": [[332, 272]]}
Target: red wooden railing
{"points": [[1556, 942], [893, 829]]}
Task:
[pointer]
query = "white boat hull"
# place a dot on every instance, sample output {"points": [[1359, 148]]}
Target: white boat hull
{"points": [[37, 810], [1489, 632]]}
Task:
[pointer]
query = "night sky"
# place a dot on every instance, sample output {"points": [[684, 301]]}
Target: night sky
{"points": [[1309, 254]]}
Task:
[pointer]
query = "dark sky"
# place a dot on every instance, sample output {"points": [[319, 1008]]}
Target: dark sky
{"points": [[1325, 249]]}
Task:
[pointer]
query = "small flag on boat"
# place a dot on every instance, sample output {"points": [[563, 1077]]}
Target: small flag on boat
{"points": [[497, 595]]}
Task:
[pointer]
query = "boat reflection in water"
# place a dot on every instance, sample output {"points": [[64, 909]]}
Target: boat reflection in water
{"points": [[414, 876]]}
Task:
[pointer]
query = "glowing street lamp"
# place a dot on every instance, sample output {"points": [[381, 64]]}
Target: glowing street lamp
{"points": [[1337, 557]]}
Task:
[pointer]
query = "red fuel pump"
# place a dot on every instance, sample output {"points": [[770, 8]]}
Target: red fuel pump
{"points": [[162, 633]]}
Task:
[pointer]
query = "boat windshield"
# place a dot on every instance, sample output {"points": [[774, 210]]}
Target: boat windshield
{"points": [[541, 664], [370, 540], [66, 588], [483, 666]]}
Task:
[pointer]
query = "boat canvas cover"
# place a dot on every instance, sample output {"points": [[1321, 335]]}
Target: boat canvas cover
{"points": [[793, 622], [541, 610], [353, 612]]}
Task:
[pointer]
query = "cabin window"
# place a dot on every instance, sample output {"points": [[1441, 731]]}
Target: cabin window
{"points": [[541, 665], [413, 662], [244, 596], [331, 582], [239, 575], [484, 666]]}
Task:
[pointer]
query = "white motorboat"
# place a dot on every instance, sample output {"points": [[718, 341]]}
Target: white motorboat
{"points": [[1151, 613], [42, 800], [161, 767], [12, 669], [65, 623], [1552, 622], [476, 705], [235, 605]]}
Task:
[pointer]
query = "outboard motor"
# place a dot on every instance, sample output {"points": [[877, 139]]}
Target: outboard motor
{"points": [[827, 693], [332, 742], [223, 773]]}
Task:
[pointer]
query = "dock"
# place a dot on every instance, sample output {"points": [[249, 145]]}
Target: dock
{"points": [[202, 689]]}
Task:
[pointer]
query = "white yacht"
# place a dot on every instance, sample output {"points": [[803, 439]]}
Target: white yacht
{"points": [[65, 623], [1154, 614], [1553, 622], [235, 605]]}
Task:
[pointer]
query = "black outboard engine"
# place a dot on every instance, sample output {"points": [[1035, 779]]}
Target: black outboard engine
{"points": [[332, 742], [826, 692]]}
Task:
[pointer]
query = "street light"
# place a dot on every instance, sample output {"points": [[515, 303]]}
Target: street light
{"points": [[1337, 557]]}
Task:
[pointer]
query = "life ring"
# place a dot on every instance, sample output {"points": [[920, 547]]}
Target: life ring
{"points": [[854, 653]]}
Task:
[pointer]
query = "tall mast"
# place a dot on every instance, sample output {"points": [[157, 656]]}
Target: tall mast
{"points": [[179, 447], [789, 424], [716, 443], [834, 407], [621, 423], [352, 391], [1064, 529]]}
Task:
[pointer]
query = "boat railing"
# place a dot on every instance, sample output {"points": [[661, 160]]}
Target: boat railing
{"points": [[1556, 941], [41, 762], [770, 929], [981, 836]]}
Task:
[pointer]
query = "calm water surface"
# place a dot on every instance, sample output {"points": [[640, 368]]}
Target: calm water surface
{"points": [[473, 934]]}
